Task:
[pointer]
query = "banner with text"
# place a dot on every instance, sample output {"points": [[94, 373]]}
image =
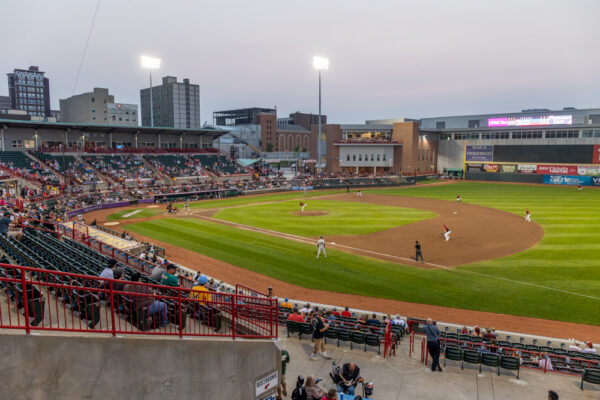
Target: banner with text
{"points": [[527, 168], [479, 153], [588, 170], [567, 180], [491, 167], [557, 169], [509, 168], [596, 158], [595, 180]]}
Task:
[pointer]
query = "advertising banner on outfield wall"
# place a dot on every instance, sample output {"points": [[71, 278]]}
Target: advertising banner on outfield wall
{"points": [[588, 170], [475, 167], [527, 168], [596, 158], [509, 168], [557, 169], [595, 180], [479, 153], [491, 167], [568, 180]]}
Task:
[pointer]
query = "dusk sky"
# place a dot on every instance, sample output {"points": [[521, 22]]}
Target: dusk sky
{"points": [[388, 58]]}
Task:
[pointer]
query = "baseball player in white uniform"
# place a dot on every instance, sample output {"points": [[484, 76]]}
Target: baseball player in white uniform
{"points": [[527, 215], [447, 232], [302, 205], [358, 193], [321, 247]]}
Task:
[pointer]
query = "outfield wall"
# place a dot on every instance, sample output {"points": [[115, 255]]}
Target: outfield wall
{"points": [[500, 177], [66, 367]]}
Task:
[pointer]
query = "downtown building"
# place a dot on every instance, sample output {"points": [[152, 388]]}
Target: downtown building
{"points": [[174, 104], [29, 90], [98, 107]]}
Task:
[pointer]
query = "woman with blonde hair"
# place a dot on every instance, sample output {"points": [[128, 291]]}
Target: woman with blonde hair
{"points": [[313, 391]]}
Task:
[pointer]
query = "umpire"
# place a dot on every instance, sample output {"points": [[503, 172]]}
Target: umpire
{"points": [[433, 344], [418, 252]]}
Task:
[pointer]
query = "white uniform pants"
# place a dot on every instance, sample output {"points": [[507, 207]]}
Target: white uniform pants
{"points": [[447, 235], [358, 194], [319, 252], [303, 207], [528, 218]]}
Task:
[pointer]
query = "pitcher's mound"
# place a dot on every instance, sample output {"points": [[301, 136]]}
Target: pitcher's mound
{"points": [[310, 213]]}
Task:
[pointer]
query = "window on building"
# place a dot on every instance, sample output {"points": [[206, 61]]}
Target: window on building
{"points": [[347, 157], [372, 157], [93, 99], [94, 117], [93, 109], [17, 144], [384, 157], [360, 157], [353, 157], [440, 125], [474, 123], [378, 157]]}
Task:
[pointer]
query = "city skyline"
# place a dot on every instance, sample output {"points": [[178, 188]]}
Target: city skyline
{"points": [[392, 59]]}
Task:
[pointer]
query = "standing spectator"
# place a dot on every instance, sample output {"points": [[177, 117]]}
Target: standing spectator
{"points": [[285, 360], [169, 277], [319, 328], [4, 223], [433, 344]]}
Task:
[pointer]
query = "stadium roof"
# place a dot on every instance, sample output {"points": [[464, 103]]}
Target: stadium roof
{"points": [[208, 130]]}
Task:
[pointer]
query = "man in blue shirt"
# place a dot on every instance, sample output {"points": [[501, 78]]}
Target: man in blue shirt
{"points": [[433, 344]]}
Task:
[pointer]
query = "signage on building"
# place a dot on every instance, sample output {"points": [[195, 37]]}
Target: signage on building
{"points": [[267, 383], [531, 121], [479, 153], [527, 168], [567, 180], [596, 158], [557, 169], [595, 180], [491, 167]]}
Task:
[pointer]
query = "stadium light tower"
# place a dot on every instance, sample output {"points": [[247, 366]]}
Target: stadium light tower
{"points": [[151, 63], [320, 64]]}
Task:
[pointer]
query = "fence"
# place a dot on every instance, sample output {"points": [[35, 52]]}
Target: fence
{"points": [[43, 300]]}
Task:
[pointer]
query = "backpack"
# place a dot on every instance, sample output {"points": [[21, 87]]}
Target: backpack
{"points": [[299, 393]]}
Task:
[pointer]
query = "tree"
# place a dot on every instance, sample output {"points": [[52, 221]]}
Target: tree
{"points": [[269, 147]]}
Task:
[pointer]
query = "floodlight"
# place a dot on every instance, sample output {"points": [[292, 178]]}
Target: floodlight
{"points": [[321, 63]]}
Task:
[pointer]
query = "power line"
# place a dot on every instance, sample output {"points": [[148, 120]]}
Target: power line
{"points": [[87, 42]]}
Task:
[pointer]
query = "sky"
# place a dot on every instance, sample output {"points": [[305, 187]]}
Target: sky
{"points": [[388, 58]]}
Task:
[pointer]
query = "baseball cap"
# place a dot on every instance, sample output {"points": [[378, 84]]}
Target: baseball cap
{"points": [[202, 280], [286, 299], [590, 344]]}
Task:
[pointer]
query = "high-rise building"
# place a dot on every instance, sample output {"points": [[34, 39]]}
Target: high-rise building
{"points": [[98, 107], [29, 91], [174, 104], [4, 103]]}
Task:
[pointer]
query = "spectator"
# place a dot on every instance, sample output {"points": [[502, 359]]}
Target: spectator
{"points": [[200, 292], [399, 321], [433, 344], [464, 330], [335, 312], [108, 272], [590, 348], [306, 309], [286, 304], [329, 316], [285, 360], [169, 277], [331, 395], [573, 346], [157, 273], [145, 300], [346, 313], [349, 377], [552, 395], [295, 316], [313, 391], [477, 331], [4, 223], [319, 328], [545, 363], [373, 321], [362, 320], [118, 275]]}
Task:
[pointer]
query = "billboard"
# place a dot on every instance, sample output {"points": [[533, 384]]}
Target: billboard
{"points": [[567, 180], [531, 121], [509, 168], [589, 170], [557, 169], [527, 168], [595, 180], [479, 153], [491, 167], [596, 158]]}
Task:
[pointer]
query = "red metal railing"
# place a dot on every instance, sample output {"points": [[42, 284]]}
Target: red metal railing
{"points": [[43, 300]]}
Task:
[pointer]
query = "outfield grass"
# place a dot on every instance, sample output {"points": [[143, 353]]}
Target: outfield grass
{"points": [[343, 218], [241, 200], [144, 213], [567, 259]]}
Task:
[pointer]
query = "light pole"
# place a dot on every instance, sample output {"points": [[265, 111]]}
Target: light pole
{"points": [[151, 63], [320, 64]]}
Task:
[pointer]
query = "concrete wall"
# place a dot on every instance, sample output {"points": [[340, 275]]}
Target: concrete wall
{"points": [[61, 367], [451, 154]]}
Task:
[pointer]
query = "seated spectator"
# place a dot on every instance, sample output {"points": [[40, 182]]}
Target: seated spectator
{"points": [[589, 348], [306, 309], [313, 391], [169, 277], [296, 316], [286, 304], [573, 346], [335, 312], [398, 321], [373, 321], [346, 313], [464, 330], [154, 306], [545, 362], [477, 331], [108, 272], [331, 395], [362, 320], [200, 292], [157, 273], [349, 377], [118, 275], [329, 316]]}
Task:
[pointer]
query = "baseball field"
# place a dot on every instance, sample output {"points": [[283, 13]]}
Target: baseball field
{"points": [[494, 262]]}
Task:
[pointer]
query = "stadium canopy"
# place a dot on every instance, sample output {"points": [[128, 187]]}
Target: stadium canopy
{"points": [[246, 162]]}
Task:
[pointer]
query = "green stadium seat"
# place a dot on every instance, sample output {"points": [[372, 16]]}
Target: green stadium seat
{"points": [[305, 329], [331, 333], [452, 353], [470, 357], [511, 363], [590, 375], [358, 338], [490, 360], [373, 340], [344, 335]]}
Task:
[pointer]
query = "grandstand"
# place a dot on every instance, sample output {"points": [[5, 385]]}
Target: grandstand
{"points": [[20, 164], [121, 167], [176, 165], [69, 166]]}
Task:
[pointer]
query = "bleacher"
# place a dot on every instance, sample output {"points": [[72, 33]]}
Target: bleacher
{"points": [[68, 165], [20, 163], [121, 167], [175, 165], [220, 165]]}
